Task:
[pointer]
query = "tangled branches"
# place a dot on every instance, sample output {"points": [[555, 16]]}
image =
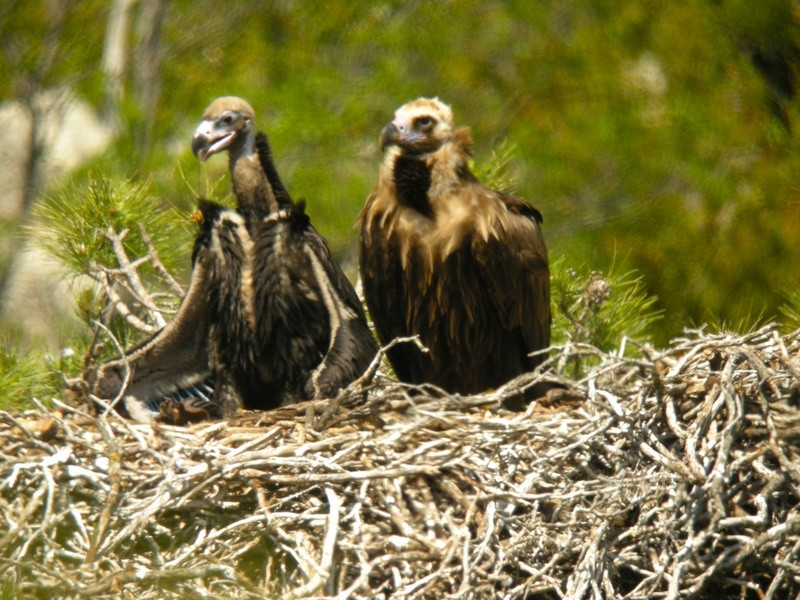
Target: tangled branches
{"points": [[126, 277], [670, 475]]}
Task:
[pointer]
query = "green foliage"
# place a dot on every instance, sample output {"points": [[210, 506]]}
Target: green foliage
{"points": [[45, 45], [790, 310], [74, 221], [31, 374], [496, 171], [600, 309], [8, 589]]}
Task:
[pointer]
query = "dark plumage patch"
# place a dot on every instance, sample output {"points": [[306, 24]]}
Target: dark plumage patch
{"points": [[209, 212], [465, 175], [412, 178], [228, 310], [268, 165], [520, 207], [298, 218]]}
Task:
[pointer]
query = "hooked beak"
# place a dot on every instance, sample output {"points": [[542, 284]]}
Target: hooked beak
{"points": [[395, 133], [206, 142], [390, 135]]}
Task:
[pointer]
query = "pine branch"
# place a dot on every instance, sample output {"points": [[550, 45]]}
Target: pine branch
{"points": [[599, 310], [122, 238]]}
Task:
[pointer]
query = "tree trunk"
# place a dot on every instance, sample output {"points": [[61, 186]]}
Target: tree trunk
{"points": [[114, 60], [31, 86], [147, 68]]}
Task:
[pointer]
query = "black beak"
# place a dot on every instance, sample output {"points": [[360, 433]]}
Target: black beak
{"points": [[390, 135], [199, 142]]}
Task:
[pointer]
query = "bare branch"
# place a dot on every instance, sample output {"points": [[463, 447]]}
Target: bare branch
{"points": [[413, 492]]}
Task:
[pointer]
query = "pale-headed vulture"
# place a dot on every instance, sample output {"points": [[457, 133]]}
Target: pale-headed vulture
{"points": [[269, 312], [443, 257]]}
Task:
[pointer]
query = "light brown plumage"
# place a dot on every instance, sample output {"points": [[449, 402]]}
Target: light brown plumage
{"points": [[228, 124], [446, 258]]}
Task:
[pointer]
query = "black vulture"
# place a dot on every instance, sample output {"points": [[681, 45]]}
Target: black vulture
{"points": [[443, 257], [269, 318]]}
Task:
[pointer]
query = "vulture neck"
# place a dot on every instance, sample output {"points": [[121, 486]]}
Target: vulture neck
{"points": [[420, 179], [412, 180], [254, 195]]}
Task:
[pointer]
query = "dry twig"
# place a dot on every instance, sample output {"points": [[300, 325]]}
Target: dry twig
{"points": [[671, 474], [680, 482]]}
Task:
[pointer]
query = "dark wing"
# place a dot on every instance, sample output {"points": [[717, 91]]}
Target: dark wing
{"points": [[513, 265], [173, 364], [311, 326], [385, 286], [351, 346]]}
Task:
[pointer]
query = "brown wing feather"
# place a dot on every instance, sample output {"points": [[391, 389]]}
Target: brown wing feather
{"points": [[513, 264], [175, 357], [385, 291]]}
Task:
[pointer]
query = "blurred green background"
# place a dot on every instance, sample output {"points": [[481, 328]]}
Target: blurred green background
{"points": [[657, 136]]}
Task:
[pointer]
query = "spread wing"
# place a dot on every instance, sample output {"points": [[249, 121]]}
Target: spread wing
{"points": [[171, 364]]}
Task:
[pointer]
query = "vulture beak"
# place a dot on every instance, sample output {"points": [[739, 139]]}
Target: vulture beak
{"points": [[207, 141], [390, 135], [398, 132]]}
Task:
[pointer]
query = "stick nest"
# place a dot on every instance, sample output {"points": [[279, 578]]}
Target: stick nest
{"points": [[670, 475]]}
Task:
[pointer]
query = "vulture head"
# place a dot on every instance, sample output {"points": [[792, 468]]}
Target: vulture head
{"points": [[227, 125], [419, 127]]}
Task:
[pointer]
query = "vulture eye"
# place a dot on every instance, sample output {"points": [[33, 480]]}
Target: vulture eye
{"points": [[424, 122], [226, 119]]}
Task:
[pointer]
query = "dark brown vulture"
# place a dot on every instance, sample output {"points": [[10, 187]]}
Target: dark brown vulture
{"points": [[443, 257], [269, 312]]}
